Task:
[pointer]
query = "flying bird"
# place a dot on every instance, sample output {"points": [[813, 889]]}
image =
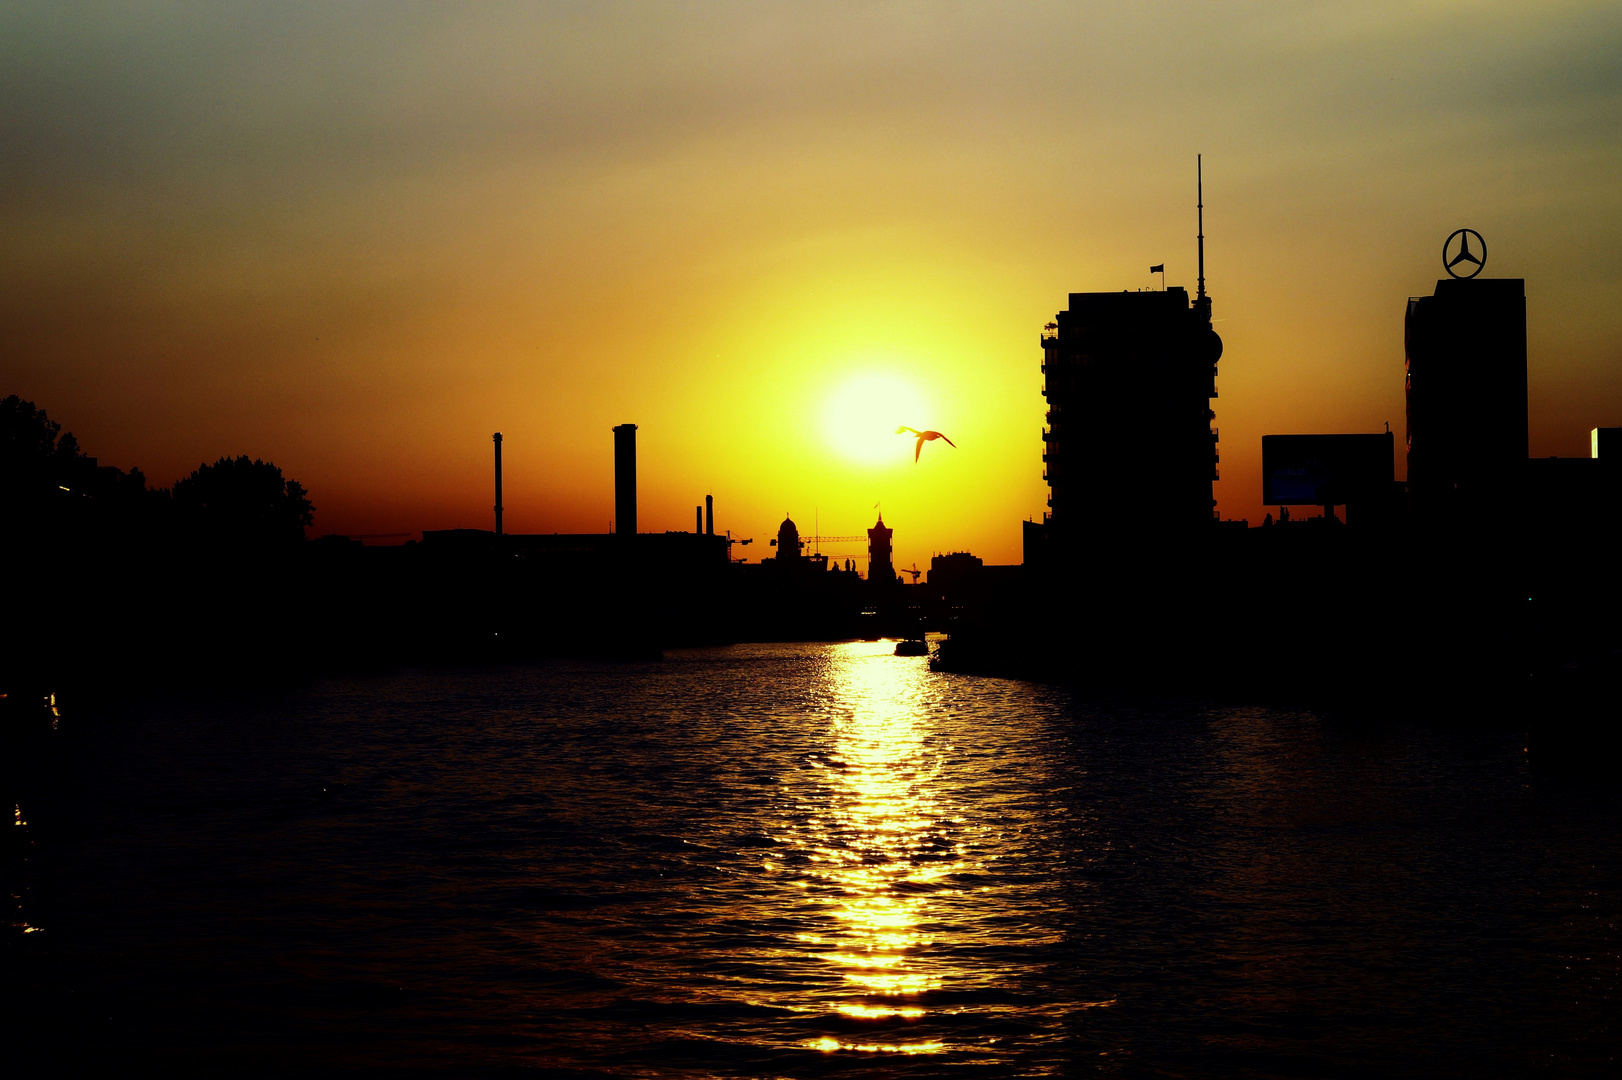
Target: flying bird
{"points": [[923, 437]]}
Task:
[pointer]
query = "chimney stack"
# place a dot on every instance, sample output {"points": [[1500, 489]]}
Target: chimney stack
{"points": [[709, 515], [498, 483], [698, 519], [625, 480]]}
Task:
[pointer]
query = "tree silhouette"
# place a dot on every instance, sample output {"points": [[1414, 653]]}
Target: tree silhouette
{"points": [[33, 448], [48, 484], [244, 500]]}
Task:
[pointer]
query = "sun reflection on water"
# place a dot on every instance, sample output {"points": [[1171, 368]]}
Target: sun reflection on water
{"points": [[879, 846]]}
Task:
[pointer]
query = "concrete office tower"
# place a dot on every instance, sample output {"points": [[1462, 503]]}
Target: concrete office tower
{"points": [[1466, 391], [625, 480], [498, 482], [1607, 439], [879, 567], [1130, 451]]}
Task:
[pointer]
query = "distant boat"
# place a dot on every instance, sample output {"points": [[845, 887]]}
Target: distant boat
{"points": [[912, 647]]}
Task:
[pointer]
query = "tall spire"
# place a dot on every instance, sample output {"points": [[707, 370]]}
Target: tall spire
{"points": [[1199, 185]]}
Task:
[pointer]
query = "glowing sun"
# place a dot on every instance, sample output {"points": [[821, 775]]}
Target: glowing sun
{"points": [[860, 418]]}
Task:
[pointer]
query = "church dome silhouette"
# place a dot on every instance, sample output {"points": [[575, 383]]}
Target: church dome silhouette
{"points": [[788, 537]]}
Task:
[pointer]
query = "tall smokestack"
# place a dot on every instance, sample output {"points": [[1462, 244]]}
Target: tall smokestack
{"points": [[709, 515], [498, 483], [625, 479]]}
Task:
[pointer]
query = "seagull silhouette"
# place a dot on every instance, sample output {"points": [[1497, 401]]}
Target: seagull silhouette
{"points": [[923, 437]]}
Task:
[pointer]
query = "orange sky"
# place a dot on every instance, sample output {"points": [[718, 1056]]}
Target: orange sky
{"points": [[356, 240]]}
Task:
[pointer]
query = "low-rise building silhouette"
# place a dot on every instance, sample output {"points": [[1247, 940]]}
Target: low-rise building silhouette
{"points": [[1354, 471]]}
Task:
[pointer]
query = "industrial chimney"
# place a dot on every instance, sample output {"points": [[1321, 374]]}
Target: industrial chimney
{"points": [[625, 480], [709, 515], [498, 483]]}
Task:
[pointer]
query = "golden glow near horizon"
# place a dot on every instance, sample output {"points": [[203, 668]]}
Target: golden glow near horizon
{"points": [[358, 240]]}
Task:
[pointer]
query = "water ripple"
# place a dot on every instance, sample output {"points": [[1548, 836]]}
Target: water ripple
{"points": [[806, 860]]}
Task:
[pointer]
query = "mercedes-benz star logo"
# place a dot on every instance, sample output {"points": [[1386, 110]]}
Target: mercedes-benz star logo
{"points": [[1465, 256]]}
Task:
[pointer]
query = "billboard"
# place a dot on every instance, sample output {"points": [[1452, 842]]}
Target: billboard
{"points": [[1326, 470]]}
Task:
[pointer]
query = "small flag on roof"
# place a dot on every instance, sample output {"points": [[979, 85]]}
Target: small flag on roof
{"points": [[1159, 269]]}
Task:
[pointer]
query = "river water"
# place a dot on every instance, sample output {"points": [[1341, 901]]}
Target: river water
{"points": [[805, 860]]}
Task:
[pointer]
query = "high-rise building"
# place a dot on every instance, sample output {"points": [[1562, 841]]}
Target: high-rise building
{"points": [[1129, 450], [1466, 392], [879, 567], [1129, 378]]}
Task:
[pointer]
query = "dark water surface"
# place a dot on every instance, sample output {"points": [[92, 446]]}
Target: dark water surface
{"points": [[803, 860]]}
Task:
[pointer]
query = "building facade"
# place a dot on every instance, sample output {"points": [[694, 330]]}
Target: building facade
{"points": [[1129, 448], [1466, 396]]}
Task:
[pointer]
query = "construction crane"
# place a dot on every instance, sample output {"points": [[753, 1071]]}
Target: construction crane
{"points": [[815, 542], [818, 541], [915, 572]]}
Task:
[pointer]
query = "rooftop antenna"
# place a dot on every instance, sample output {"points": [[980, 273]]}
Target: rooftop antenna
{"points": [[1199, 186]]}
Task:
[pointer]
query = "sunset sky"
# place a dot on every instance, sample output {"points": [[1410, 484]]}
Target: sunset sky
{"points": [[357, 239]]}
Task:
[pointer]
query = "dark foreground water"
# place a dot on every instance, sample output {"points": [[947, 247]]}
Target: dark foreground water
{"points": [[805, 860]]}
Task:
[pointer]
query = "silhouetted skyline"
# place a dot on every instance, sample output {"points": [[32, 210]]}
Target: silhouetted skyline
{"points": [[336, 242], [645, 740]]}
